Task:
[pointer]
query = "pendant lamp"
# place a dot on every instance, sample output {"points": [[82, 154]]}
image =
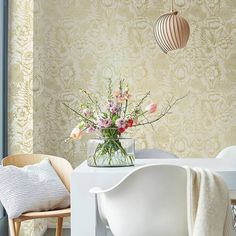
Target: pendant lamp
{"points": [[171, 31]]}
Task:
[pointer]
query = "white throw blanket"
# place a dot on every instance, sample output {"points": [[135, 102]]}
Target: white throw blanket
{"points": [[209, 212]]}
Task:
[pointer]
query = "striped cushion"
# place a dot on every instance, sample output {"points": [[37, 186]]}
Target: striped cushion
{"points": [[32, 188]]}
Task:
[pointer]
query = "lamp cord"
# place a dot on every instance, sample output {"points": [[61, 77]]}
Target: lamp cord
{"points": [[172, 5]]}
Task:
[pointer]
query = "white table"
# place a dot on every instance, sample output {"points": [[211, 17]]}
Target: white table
{"points": [[84, 216]]}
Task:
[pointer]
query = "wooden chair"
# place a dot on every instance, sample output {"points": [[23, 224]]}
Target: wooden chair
{"points": [[63, 169]]}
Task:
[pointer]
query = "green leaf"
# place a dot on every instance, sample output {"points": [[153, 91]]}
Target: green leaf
{"points": [[114, 118]]}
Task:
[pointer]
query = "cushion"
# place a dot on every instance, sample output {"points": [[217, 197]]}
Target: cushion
{"points": [[32, 188]]}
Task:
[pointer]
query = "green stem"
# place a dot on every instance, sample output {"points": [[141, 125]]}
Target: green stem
{"points": [[167, 110], [126, 105], [77, 113], [91, 99], [119, 146], [140, 102]]}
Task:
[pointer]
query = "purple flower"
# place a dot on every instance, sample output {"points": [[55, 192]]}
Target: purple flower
{"points": [[114, 110], [86, 112], [107, 122], [112, 107], [90, 129], [120, 123], [100, 123], [104, 123]]}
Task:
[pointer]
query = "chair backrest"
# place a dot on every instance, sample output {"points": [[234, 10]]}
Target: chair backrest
{"points": [[229, 152], [150, 201], [153, 154], [61, 165]]}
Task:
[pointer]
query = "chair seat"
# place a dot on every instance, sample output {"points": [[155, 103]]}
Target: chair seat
{"points": [[44, 214]]}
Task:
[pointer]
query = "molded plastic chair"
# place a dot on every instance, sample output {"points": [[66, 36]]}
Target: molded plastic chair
{"points": [[153, 153], [150, 201], [63, 169], [228, 153]]}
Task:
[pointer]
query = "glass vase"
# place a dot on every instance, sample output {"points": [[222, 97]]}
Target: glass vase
{"points": [[110, 152]]}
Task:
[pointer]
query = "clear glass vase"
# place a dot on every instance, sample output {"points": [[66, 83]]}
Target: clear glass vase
{"points": [[110, 152]]}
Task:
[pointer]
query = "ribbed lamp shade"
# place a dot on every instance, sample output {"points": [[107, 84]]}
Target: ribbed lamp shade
{"points": [[171, 31]]}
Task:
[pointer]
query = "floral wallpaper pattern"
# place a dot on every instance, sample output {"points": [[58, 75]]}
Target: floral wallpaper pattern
{"points": [[20, 76], [20, 105], [58, 46], [81, 43]]}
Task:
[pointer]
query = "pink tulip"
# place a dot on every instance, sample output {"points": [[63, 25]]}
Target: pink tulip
{"points": [[76, 133], [151, 108]]}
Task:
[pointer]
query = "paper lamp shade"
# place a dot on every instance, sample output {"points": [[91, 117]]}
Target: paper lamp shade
{"points": [[171, 31]]}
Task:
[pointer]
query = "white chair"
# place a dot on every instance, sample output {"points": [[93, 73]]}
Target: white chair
{"points": [[229, 152], [150, 201], [153, 154]]}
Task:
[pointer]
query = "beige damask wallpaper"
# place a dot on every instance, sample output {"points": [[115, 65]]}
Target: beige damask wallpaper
{"points": [[20, 105], [81, 43], [57, 46]]}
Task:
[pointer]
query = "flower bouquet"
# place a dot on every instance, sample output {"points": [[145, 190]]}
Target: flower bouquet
{"points": [[112, 119]]}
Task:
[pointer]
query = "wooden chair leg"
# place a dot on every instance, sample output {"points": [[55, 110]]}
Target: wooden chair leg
{"points": [[17, 227], [59, 226], [12, 227]]}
